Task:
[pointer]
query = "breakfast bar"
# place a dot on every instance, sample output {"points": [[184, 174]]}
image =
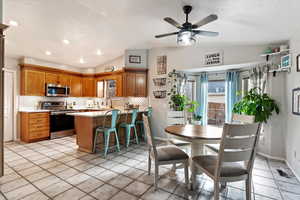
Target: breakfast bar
{"points": [[87, 122]]}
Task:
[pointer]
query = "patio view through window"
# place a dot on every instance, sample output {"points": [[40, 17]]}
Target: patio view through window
{"points": [[216, 102]]}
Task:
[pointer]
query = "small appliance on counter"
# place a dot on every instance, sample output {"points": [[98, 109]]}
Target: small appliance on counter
{"points": [[61, 124]]}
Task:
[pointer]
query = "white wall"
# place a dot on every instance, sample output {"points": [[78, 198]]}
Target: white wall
{"points": [[118, 63], [292, 131], [192, 58], [1, 11]]}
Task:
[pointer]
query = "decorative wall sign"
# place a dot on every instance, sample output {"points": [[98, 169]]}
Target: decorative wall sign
{"points": [[285, 61], [159, 81], [296, 101], [213, 59], [135, 59], [298, 63], [161, 65]]}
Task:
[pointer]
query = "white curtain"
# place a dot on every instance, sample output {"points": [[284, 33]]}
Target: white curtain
{"points": [[258, 77]]}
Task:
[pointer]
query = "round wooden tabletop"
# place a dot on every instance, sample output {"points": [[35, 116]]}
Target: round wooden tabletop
{"points": [[195, 131]]}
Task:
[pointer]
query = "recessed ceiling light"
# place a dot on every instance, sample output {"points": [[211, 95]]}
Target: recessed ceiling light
{"points": [[81, 60], [66, 41], [13, 23], [99, 52], [48, 53]]}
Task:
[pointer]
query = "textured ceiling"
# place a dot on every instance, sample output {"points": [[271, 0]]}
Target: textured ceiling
{"points": [[116, 25]]}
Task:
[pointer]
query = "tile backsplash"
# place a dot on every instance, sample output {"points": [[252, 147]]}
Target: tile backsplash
{"points": [[32, 102]]}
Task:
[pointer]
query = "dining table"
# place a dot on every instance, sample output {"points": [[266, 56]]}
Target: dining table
{"points": [[198, 136]]}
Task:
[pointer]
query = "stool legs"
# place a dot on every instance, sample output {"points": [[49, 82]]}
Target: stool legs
{"points": [[106, 142]]}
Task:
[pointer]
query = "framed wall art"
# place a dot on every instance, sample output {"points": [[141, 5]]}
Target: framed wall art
{"points": [[161, 65], [135, 59], [285, 61], [298, 63], [296, 101]]}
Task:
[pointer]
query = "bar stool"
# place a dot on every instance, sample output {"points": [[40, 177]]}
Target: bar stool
{"points": [[148, 113], [130, 125], [115, 115]]}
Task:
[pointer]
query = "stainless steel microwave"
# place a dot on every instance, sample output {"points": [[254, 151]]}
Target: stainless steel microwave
{"points": [[53, 90]]}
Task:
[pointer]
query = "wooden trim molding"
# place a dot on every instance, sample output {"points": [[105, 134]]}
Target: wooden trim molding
{"points": [[96, 75]]}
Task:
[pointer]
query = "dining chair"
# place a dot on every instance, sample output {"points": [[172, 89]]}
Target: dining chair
{"points": [[107, 130], [148, 112], [235, 159], [130, 125], [164, 155], [236, 119]]}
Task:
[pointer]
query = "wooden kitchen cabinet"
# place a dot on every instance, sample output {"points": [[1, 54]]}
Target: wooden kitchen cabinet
{"points": [[135, 84], [34, 126], [32, 83], [64, 80], [51, 78], [140, 84], [76, 86], [88, 87]]}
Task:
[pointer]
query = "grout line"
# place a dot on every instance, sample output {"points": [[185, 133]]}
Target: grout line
{"points": [[280, 192]]}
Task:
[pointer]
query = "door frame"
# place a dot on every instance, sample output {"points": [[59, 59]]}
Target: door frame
{"points": [[15, 110]]}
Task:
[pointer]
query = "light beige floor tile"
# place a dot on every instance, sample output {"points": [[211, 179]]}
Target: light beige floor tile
{"points": [[87, 197], [90, 185], [50, 164], [120, 181], [77, 179], [120, 168], [106, 175], [36, 196], [46, 182], [12, 185], [104, 192], [30, 170], [72, 194], [84, 166], [123, 196], [67, 173], [137, 188], [94, 171], [58, 168], [57, 188], [151, 194], [20, 192], [133, 173], [37, 176], [9, 177]]}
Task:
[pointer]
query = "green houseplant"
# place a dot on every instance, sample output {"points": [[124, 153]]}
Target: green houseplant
{"points": [[260, 105], [190, 107]]}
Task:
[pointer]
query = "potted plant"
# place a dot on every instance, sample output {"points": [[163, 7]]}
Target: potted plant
{"points": [[260, 105], [197, 119], [177, 102], [190, 107]]}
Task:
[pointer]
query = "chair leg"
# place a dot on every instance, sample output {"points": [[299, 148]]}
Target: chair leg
{"points": [[95, 142], [136, 136], [217, 190], [128, 130], [106, 142], [248, 189], [186, 173], [117, 140], [156, 176], [149, 164]]}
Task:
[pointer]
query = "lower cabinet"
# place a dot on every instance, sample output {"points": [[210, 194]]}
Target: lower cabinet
{"points": [[34, 126]]}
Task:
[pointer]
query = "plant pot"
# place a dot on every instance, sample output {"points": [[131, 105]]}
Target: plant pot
{"points": [[196, 122]]}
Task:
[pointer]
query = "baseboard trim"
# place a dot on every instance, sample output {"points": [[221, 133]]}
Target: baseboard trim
{"points": [[271, 157], [280, 159]]}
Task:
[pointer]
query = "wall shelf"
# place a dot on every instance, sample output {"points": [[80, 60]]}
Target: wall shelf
{"points": [[276, 53]]}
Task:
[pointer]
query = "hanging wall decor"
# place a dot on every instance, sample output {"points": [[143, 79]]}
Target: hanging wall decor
{"points": [[135, 59], [298, 63], [161, 65], [213, 59], [296, 101], [285, 61]]}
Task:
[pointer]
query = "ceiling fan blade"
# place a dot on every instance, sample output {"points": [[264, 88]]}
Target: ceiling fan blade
{"points": [[206, 33], [165, 35], [206, 20], [173, 22]]}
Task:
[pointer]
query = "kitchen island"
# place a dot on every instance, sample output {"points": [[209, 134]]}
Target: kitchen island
{"points": [[87, 122]]}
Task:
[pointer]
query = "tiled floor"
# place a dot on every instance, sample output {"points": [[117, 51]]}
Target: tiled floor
{"points": [[56, 170]]}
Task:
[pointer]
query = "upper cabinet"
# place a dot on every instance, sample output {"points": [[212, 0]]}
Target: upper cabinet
{"points": [[135, 84], [76, 86], [88, 87], [32, 83], [127, 82]]}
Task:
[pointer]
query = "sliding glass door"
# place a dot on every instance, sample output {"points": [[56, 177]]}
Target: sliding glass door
{"points": [[216, 102]]}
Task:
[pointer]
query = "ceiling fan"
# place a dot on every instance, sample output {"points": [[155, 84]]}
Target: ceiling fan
{"points": [[188, 32]]}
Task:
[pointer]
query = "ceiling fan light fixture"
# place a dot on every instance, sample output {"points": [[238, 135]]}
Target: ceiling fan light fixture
{"points": [[186, 38]]}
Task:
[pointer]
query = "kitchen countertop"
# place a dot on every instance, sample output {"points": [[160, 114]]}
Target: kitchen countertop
{"points": [[44, 110], [33, 110], [96, 114]]}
